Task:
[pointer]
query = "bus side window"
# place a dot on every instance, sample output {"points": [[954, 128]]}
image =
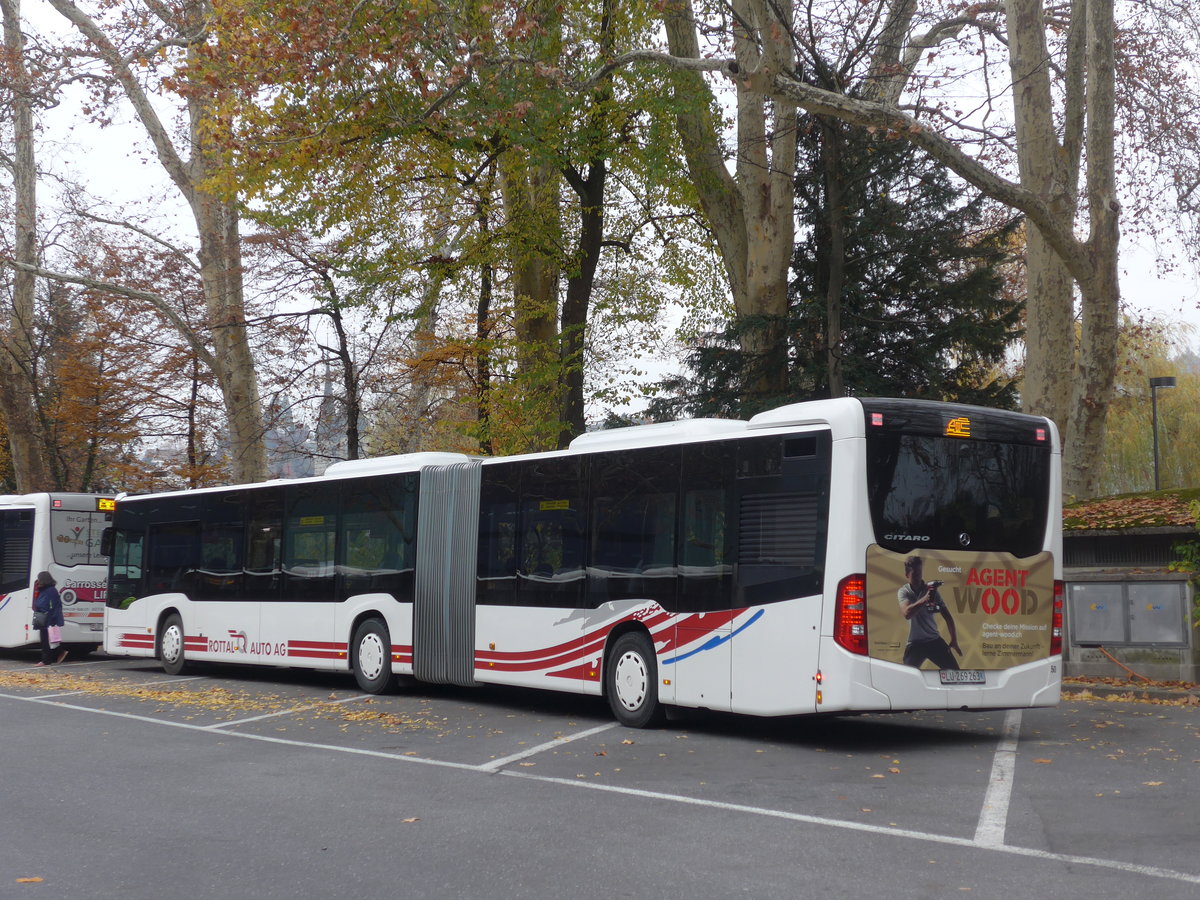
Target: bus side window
{"points": [[16, 549], [703, 544], [310, 541], [377, 540], [496, 572], [219, 573], [264, 530], [125, 583], [174, 557], [706, 528], [633, 525], [552, 530]]}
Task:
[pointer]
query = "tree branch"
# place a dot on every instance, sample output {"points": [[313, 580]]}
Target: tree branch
{"points": [[883, 117], [186, 331], [176, 251]]}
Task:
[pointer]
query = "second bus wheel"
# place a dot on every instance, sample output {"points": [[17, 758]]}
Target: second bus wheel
{"points": [[631, 682], [371, 657], [170, 646]]}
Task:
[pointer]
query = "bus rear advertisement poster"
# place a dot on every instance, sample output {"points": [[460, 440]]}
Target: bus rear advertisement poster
{"points": [[1002, 607]]}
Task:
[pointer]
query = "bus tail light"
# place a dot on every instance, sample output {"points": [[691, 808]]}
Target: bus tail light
{"points": [[850, 616], [1056, 621]]}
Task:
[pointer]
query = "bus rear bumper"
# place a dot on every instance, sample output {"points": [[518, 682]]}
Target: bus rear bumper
{"points": [[1032, 684]]}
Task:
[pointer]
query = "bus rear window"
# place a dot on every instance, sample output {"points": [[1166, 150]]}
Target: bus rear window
{"points": [[949, 493]]}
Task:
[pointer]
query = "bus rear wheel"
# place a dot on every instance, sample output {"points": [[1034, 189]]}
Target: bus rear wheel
{"points": [[170, 646], [631, 682], [371, 657]]}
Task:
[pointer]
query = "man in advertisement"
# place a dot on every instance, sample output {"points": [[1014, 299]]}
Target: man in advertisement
{"points": [[920, 603]]}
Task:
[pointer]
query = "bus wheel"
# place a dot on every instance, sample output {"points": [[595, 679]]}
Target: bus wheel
{"points": [[170, 646], [631, 682], [371, 657]]}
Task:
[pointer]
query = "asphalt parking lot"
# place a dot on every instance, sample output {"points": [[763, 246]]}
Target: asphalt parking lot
{"points": [[1095, 798]]}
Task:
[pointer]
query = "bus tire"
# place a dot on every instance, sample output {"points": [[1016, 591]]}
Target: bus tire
{"points": [[371, 657], [170, 646], [631, 682]]}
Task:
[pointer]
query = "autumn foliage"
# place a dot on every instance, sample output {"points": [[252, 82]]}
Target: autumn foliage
{"points": [[1153, 510]]}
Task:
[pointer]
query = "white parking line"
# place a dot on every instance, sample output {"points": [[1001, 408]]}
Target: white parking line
{"points": [[993, 818], [490, 769], [497, 764], [207, 729]]}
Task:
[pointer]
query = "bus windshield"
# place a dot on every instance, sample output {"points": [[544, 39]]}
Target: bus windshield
{"points": [[75, 537], [949, 493]]}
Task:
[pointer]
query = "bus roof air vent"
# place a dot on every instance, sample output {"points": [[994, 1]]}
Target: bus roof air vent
{"points": [[656, 433], [403, 462]]}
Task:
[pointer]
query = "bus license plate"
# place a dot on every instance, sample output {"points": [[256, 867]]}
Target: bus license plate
{"points": [[961, 676]]}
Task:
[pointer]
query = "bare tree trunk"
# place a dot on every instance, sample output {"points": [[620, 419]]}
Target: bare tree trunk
{"points": [[531, 204], [221, 275], [1050, 341], [351, 385], [1070, 381], [591, 191], [17, 352], [1101, 293], [1049, 331], [579, 292], [530, 194], [483, 358]]}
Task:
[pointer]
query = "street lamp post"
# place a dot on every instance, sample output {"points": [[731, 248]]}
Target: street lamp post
{"points": [[1155, 383]]}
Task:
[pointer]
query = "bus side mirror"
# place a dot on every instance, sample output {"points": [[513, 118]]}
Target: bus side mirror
{"points": [[106, 542]]}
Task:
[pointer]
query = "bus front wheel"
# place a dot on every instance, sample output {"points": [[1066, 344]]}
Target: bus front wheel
{"points": [[631, 682], [170, 646], [372, 657]]}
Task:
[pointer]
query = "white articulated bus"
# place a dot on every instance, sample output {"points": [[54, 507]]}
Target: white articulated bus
{"points": [[756, 567], [59, 534]]}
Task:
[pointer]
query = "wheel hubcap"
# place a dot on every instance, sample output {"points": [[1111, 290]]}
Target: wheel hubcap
{"points": [[172, 644], [371, 657], [631, 680]]}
